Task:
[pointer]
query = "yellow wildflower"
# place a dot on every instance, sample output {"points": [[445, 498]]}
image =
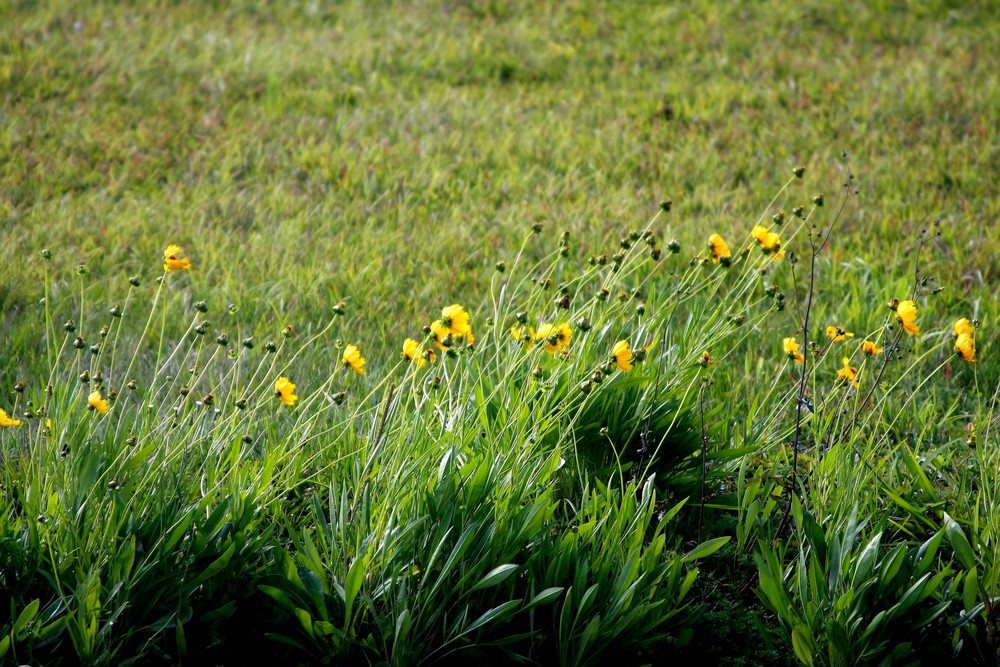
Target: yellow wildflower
{"points": [[285, 391], [964, 326], [410, 348], [792, 350], [6, 421], [720, 249], [706, 359], [95, 402], [769, 242], [870, 348], [555, 338], [354, 360], [622, 355], [442, 335], [524, 335], [456, 320], [836, 334], [906, 313], [848, 373], [965, 344], [172, 261]]}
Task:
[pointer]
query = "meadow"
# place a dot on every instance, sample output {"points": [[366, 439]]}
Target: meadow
{"points": [[494, 332]]}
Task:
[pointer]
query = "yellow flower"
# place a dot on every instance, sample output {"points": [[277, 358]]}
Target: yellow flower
{"points": [[172, 260], [97, 403], [965, 344], [285, 391], [442, 335], [456, 320], [964, 326], [6, 421], [848, 373], [906, 313], [769, 242], [706, 359], [870, 348], [720, 249], [792, 350], [354, 360], [555, 338], [622, 354], [836, 334], [524, 335], [410, 348]]}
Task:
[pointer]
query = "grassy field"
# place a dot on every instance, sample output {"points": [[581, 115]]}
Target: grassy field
{"points": [[339, 173]]}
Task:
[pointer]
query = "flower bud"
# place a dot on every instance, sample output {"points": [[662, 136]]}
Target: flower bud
{"points": [[778, 218], [288, 331], [232, 309], [241, 404], [563, 301], [583, 324], [340, 397], [95, 349], [246, 440], [340, 308], [654, 253], [98, 378], [674, 246], [202, 328], [248, 342], [46, 253], [132, 384], [201, 306], [185, 390], [640, 309], [116, 310], [133, 281], [69, 326], [603, 294], [665, 205], [19, 387], [222, 339], [82, 270], [105, 330], [586, 386], [799, 211], [501, 267], [85, 377], [818, 199], [625, 243], [798, 171], [536, 228], [269, 346]]}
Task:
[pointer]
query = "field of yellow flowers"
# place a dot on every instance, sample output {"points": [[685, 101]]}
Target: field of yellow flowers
{"points": [[480, 332]]}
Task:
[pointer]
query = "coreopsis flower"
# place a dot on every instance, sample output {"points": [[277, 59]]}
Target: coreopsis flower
{"points": [[836, 334], [706, 359], [95, 402], [622, 355], [965, 345], [906, 313], [410, 351], [6, 421], [870, 348], [442, 335], [792, 350], [354, 360], [456, 320], [720, 249], [285, 391], [769, 242], [964, 326], [848, 373], [172, 260], [555, 338], [525, 335]]}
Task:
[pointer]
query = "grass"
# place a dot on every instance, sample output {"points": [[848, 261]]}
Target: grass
{"points": [[502, 503]]}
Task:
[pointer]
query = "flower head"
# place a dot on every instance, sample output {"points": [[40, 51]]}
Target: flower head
{"points": [[870, 348], [411, 351], [965, 344], [6, 421], [285, 391], [720, 249], [792, 350], [354, 360], [525, 335], [848, 373], [906, 313], [555, 338], [95, 402], [172, 260], [964, 326], [769, 242], [456, 320], [622, 355], [836, 334], [706, 359]]}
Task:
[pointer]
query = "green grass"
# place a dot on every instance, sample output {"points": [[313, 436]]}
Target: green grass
{"points": [[502, 503]]}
